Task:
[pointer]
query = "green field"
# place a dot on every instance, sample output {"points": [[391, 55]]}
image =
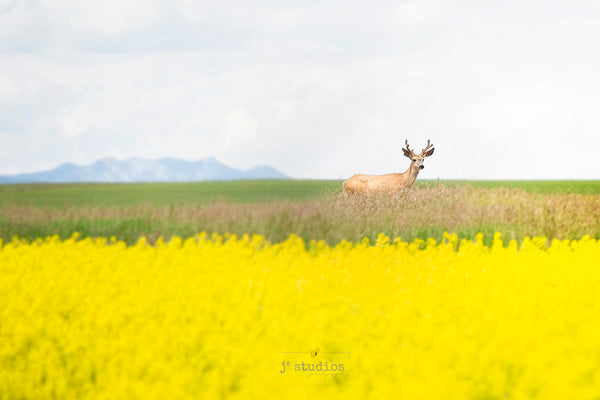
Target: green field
{"points": [[162, 194], [538, 186], [311, 209], [165, 194]]}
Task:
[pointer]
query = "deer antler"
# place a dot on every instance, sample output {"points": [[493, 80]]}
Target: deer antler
{"points": [[424, 152], [408, 148]]}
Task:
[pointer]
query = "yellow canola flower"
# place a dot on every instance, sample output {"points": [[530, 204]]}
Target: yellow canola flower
{"points": [[241, 318]]}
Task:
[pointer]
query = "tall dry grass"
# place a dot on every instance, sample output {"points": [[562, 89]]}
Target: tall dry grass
{"points": [[416, 213]]}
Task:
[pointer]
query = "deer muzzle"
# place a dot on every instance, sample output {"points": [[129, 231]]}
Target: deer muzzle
{"points": [[421, 166]]}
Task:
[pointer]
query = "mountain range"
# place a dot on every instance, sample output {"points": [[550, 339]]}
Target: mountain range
{"points": [[145, 170]]}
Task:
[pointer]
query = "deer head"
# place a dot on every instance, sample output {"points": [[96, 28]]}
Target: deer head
{"points": [[417, 160]]}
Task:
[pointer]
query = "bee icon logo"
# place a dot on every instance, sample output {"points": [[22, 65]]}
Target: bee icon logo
{"points": [[314, 352]]}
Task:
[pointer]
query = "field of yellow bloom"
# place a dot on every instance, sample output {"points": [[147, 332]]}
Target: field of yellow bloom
{"points": [[218, 317]]}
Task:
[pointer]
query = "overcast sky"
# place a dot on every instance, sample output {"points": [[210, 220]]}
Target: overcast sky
{"points": [[316, 89]]}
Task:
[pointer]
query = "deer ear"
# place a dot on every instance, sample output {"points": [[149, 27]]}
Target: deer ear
{"points": [[430, 152], [406, 153]]}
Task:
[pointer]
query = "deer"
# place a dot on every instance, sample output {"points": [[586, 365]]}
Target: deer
{"points": [[390, 183]]}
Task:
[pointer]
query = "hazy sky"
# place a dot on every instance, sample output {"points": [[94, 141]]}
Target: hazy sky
{"points": [[317, 89]]}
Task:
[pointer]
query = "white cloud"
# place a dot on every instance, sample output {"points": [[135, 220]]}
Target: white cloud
{"points": [[111, 18], [76, 122], [8, 88], [192, 10], [415, 13], [238, 128]]}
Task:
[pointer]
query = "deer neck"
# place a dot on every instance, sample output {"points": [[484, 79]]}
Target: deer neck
{"points": [[410, 175]]}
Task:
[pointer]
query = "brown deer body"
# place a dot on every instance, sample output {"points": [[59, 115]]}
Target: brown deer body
{"points": [[389, 183]]}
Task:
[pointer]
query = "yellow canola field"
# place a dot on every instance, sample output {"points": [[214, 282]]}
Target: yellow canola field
{"points": [[239, 318]]}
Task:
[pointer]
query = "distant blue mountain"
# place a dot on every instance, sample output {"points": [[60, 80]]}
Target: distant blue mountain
{"points": [[145, 170]]}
